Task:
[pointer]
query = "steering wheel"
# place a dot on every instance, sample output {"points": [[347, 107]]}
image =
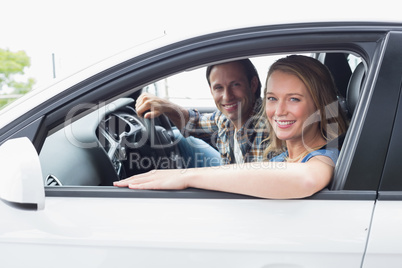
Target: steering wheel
{"points": [[161, 139], [125, 134]]}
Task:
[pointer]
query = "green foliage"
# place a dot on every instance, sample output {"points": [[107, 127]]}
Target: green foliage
{"points": [[12, 64], [4, 102], [21, 87]]}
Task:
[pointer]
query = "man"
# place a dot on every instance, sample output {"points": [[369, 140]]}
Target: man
{"points": [[235, 129]]}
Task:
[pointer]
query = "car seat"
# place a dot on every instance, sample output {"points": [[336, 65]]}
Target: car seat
{"points": [[352, 97], [354, 88]]}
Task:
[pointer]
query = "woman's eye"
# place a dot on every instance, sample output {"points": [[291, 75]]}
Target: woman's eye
{"points": [[271, 99], [294, 99]]}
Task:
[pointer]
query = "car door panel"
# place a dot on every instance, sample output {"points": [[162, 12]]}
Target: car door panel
{"points": [[179, 232], [385, 243]]}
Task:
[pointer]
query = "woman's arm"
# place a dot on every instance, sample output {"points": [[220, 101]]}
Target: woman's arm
{"points": [[279, 180]]}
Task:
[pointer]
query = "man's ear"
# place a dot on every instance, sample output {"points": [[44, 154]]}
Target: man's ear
{"points": [[254, 84]]}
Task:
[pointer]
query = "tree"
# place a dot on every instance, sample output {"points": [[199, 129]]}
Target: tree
{"points": [[12, 64]]}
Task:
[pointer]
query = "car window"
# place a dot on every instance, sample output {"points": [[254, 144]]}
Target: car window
{"points": [[191, 89], [186, 89], [353, 61], [107, 142]]}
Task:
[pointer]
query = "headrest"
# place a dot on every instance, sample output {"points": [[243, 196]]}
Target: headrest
{"points": [[354, 88]]}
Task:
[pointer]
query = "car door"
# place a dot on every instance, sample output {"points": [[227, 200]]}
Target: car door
{"points": [[99, 226], [104, 227], [384, 245]]}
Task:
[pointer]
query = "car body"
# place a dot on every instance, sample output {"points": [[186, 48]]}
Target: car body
{"points": [[57, 170]]}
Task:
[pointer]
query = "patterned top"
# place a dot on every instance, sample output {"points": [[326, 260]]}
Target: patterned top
{"points": [[216, 129]]}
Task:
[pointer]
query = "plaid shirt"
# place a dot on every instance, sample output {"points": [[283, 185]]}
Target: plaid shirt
{"points": [[221, 132]]}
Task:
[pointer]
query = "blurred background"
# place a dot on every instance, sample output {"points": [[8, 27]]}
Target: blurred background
{"points": [[44, 40]]}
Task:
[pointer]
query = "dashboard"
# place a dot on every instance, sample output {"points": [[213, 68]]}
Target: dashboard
{"points": [[109, 143], [118, 133]]}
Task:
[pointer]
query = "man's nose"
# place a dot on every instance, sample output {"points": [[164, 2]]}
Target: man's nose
{"points": [[227, 94]]}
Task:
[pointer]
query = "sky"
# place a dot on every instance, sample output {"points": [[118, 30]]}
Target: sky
{"points": [[81, 32]]}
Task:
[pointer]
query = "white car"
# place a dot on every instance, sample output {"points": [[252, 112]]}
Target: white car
{"points": [[63, 146]]}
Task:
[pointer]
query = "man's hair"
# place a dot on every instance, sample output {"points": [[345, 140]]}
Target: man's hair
{"points": [[249, 70]]}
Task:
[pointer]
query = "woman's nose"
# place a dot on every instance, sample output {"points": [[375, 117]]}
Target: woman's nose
{"points": [[280, 108]]}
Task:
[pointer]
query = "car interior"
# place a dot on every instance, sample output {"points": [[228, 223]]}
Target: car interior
{"points": [[110, 141]]}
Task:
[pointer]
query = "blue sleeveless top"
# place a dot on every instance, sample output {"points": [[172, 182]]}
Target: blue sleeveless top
{"points": [[332, 153]]}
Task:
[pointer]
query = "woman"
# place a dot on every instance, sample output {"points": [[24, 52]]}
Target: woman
{"points": [[300, 87], [303, 114]]}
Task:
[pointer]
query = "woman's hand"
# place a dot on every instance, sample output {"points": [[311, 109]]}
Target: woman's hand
{"points": [[172, 179]]}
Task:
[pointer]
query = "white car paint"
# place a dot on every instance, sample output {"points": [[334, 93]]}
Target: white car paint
{"points": [[385, 241], [125, 232], [79, 232], [21, 174]]}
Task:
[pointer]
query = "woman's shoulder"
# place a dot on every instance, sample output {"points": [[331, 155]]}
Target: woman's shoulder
{"points": [[330, 152]]}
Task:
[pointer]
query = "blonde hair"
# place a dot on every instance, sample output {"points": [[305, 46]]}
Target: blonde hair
{"points": [[318, 80]]}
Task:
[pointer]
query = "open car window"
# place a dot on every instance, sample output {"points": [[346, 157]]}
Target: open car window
{"points": [[190, 88], [110, 142]]}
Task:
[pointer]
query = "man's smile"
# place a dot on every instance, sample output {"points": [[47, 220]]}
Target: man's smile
{"points": [[230, 106]]}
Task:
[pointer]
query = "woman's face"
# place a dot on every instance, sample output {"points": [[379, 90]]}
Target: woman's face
{"points": [[288, 107]]}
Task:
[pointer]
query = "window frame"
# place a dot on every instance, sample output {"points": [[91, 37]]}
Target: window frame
{"points": [[137, 72]]}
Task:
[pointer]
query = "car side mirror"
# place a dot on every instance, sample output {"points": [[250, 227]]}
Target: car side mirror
{"points": [[21, 181]]}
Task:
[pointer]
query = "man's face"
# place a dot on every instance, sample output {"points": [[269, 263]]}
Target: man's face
{"points": [[232, 92]]}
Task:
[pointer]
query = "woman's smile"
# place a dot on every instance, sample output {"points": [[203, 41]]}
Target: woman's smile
{"points": [[285, 123]]}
